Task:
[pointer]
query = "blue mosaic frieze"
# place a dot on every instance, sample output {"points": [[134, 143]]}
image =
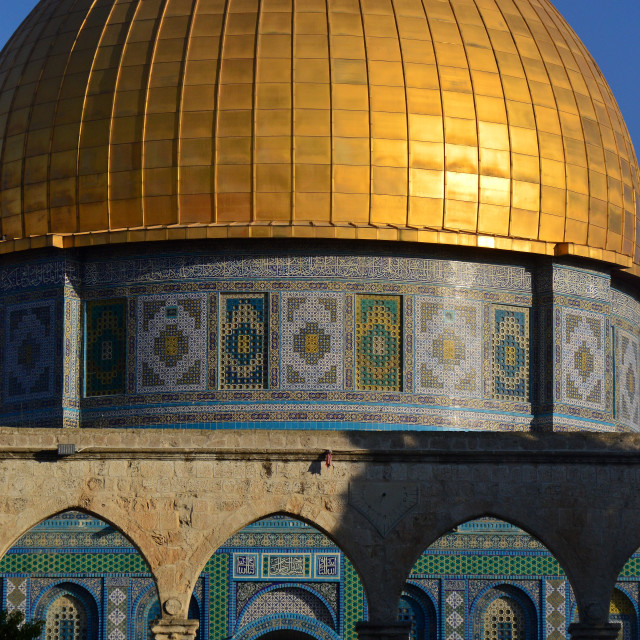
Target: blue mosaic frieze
{"points": [[627, 387], [312, 340], [172, 339], [581, 283], [243, 347], [30, 351], [106, 347], [284, 389], [510, 353], [448, 347], [286, 601], [39, 274], [292, 622], [583, 367], [625, 306], [364, 414], [248, 265]]}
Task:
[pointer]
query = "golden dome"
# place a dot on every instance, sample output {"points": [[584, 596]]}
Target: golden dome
{"points": [[472, 122]]}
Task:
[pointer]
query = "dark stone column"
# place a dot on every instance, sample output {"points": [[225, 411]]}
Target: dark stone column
{"points": [[588, 631], [375, 631], [174, 629]]}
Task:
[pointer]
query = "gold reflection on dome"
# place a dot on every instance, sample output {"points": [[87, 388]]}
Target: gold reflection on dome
{"points": [[477, 123]]}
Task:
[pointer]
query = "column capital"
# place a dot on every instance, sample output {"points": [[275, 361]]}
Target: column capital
{"points": [[374, 631], [586, 631], [174, 629]]}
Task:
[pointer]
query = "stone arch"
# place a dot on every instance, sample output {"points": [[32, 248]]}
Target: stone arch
{"points": [[314, 598], [469, 557], [284, 557], [123, 525], [415, 534], [521, 518], [73, 593], [325, 523], [75, 547], [521, 605], [427, 535]]}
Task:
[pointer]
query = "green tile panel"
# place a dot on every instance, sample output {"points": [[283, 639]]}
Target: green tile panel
{"points": [[508, 565], [218, 569], [353, 601], [73, 563], [631, 569]]}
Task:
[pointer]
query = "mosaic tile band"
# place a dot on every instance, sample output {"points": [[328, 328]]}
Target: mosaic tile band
{"points": [[322, 340]]}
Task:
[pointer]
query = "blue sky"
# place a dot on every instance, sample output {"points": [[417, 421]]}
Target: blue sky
{"points": [[610, 29]]}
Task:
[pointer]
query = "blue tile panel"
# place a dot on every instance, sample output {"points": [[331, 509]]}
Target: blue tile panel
{"points": [[30, 351], [243, 346], [106, 347], [510, 353], [264, 565]]}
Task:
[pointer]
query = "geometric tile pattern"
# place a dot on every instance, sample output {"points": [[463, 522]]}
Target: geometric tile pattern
{"points": [[117, 608], [312, 334], [510, 353], [243, 348], [106, 347], [172, 343], [448, 347], [72, 356], [504, 618], [478, 564], [621, 610], [218, 569], [30, 351], [583, 358], [627, 389], [378, 333], [454, 612], [66, 619], [353, 601], [555, 609], [72, 563], [16, 594], [284, 602]]}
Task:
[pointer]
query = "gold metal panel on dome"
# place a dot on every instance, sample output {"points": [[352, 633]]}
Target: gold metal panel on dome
{"points": [[454, 122]]}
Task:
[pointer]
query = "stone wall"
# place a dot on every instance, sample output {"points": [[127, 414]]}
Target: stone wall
{"points": [[179, 495]]}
